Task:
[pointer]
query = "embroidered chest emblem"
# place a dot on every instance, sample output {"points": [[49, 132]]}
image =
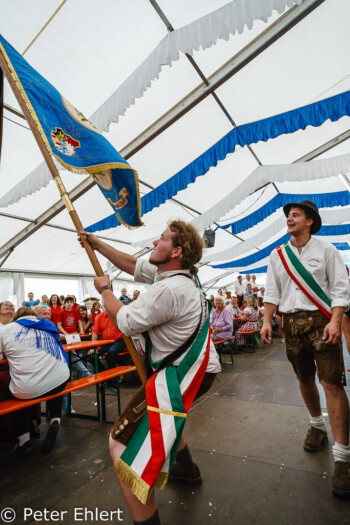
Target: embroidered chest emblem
{"points": [[64, 143]]}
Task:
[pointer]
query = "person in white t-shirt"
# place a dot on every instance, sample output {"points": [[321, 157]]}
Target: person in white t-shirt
{"points": [[38, 364]]}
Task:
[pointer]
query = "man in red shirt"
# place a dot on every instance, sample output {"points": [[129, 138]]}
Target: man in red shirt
{"points": [[68, 319], [104, 328]]}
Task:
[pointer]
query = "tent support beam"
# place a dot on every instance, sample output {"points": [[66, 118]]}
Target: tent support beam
{"points": [[246, 55], [229, 69], [26, 219]]}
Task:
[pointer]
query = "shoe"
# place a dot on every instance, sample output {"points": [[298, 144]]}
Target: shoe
{"points": [[341, 479], [50, 438], [19, 450], [191, 475], [315, 439]]}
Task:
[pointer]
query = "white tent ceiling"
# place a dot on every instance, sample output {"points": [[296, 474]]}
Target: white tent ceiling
{"points": [[89, 48]]}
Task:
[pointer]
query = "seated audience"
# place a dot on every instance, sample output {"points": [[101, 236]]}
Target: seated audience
{"points": [[249, 318], [135, 294], [69, 320], [31, 301], [105, 329], [261, 292], [221, 321], [85, 320], [75, 305], [96, 309], [248, 292], [124, 297], [235, 312], [44, 300], [38, 367], [43, 311], [255, 287], [55, 306], [11, 424]]}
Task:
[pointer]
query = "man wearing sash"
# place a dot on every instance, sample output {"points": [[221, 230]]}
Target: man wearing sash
{"points": [[146, 442], [307, 279]]}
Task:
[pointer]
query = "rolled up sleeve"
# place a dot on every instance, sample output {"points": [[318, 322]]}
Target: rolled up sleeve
{"points": [[154, 308], [144, 271], [338, 279], [272, 292]]}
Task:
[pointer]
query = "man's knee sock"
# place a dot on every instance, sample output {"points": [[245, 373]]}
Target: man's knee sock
{"points": [[341, 452], [184, 458], [318, 422], [153, 520]]}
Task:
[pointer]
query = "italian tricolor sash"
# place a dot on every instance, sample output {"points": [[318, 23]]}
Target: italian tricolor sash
{"points": [[151, 452], [304, 280]]}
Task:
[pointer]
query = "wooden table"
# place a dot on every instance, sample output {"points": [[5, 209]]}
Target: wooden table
{"points": [[85, 336], [83, 345]]}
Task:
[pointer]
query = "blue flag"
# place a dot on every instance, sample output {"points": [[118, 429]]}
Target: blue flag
{"points": [[75, 141]]}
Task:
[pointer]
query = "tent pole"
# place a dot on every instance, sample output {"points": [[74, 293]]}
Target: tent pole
{"points": [[346, 181], [65, 198]]}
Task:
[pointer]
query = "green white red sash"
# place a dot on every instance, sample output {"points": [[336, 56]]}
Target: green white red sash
{"points": [[151, 453], [304, 280]]}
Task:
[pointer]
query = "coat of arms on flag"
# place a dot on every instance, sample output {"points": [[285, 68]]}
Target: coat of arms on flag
{"points": [[74, 141]]}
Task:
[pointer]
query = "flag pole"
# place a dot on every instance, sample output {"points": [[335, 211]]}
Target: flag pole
{"points": [[66, 199]]}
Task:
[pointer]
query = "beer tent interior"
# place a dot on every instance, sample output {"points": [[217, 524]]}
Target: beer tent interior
{"points": [[165, 81]]}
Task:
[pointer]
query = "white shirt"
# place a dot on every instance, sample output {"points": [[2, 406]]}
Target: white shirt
{"points": [[33, 371], [238, 288], [169, 311], [323, 262], [245, 283]]}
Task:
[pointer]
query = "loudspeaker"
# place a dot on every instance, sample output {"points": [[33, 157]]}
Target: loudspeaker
{"points": [[209, 238]]}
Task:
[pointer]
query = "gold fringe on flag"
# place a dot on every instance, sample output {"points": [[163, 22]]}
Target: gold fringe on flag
{"points": [[137, 485], [162, 480]]}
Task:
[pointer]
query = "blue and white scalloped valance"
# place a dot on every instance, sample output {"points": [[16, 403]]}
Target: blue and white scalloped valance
{"points": [[329, 216], [315, 114], [342, 229], [322, 200]]}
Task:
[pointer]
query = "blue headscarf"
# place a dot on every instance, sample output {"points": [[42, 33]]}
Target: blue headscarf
{"points": [[47, 337]]}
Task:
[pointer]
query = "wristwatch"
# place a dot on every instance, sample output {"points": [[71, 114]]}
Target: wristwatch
{"points": [[105, 287]]}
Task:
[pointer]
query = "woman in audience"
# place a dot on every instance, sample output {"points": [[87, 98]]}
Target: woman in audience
{"points": [[96, 309], [55, 306], [75, 305], [85, 320], [6, 312], [38, 367], [11, 424], [221, 321], [249, 317], [235, 312]]}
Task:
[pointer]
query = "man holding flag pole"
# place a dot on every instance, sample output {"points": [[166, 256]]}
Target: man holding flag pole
{"points": [[307, 279], [146, 442]]}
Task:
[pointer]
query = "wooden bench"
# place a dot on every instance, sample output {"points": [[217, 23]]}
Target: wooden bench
{"points": [[253, 340], [219, 345], [11, 405]]}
